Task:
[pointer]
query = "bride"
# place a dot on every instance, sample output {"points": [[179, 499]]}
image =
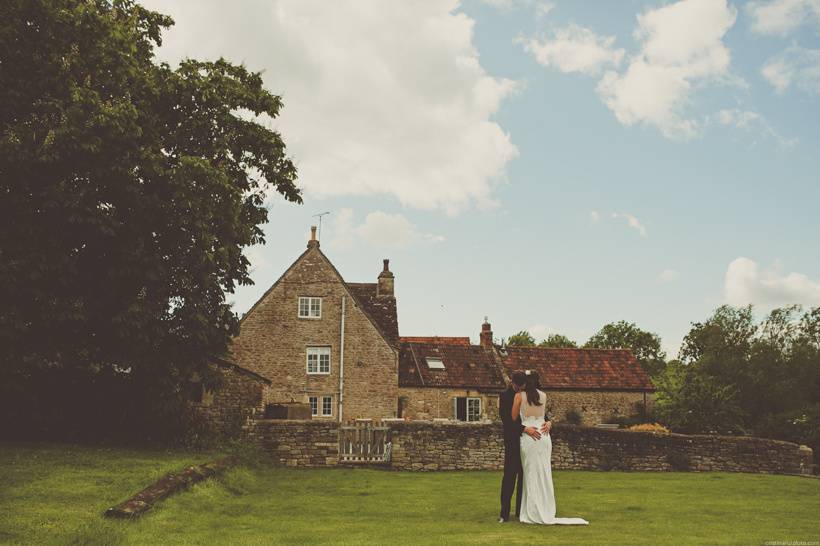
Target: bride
{"points": [[538, 501]]}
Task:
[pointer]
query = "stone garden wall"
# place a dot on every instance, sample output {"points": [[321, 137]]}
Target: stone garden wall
{"points": [[420, 446]]}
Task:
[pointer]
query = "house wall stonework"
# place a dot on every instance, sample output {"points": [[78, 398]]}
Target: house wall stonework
{"points": [[273, 342], [227, 408], [595, 406], [427, 403]]}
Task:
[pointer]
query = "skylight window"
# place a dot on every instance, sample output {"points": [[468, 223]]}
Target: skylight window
{"points": [[435, 363]]}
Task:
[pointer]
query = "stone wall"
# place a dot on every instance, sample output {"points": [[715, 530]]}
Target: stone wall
{"points": [[298, 443], [273, 342], [427, 403], [595, 406], [422, 446], [434, 446], [226, 409]]}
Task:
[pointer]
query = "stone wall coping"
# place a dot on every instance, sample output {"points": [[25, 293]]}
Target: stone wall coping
{"points": [[295, 422], [558, 427]]}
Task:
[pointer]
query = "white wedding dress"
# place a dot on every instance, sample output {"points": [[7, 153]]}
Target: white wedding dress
{"points": [[538, 500]]}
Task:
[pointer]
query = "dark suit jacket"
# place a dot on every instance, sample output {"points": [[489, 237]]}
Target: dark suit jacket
{"points": [[512, 427]]}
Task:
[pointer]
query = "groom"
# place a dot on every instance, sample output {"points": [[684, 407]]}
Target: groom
{"points": [[512, 447]]}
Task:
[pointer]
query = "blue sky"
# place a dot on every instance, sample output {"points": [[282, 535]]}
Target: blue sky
{"points": [[553, 166]]}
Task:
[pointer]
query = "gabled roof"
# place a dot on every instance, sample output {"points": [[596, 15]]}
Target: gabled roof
{"points": [[599, 369], [382, 313], [382, 309], [227, 364], [465, 366]]}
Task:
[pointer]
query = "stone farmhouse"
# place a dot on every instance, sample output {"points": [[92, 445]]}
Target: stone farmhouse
{"points": [[315, 346]]}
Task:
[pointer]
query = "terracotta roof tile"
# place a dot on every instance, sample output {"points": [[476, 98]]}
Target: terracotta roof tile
{"points": [[611, 369], [465, 366], [436, 340]]}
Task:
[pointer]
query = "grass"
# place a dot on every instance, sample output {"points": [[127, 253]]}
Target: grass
{"points": [[56, 494]]}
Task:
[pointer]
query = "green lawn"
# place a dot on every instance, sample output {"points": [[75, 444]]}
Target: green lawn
{"points": [[55, 494]]}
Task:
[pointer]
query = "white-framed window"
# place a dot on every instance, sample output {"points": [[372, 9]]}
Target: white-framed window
{"points": [[314, 405], [310, 307], [318, 360], [434, 363], [327, 406], [467, 408]]}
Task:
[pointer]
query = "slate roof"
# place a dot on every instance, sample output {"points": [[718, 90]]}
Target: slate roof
{"points": [[465, 366], [381, 309], [598, 369]]}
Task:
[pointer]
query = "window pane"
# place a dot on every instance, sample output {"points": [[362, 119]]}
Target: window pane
{"points": [[303, 307], [314, 406], [324, 363], [473, 409], [327, 408], [312, 359], [434, 363], [315, 307]]}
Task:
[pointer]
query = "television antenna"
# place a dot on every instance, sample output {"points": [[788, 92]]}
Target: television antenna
{"points": [[320, 222]]}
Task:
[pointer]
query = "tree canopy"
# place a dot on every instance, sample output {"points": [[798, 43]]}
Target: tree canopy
{"points": [[557, 341], [129, 189], [521, 339], [742, 376], [646, 346]]}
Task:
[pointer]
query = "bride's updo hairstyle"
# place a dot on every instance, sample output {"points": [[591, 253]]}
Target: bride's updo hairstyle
{"points": [[531, 388]]}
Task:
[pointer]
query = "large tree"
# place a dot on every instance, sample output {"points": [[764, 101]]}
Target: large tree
{"points": [[128, 190], [737, 374], [646, 346]]}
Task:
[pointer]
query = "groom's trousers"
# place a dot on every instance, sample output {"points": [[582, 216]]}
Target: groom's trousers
{"points": [[513, 472]]}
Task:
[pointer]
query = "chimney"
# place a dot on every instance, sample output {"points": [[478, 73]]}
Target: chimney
{"points": [[313, 243], [385, 286], [486, 337]]}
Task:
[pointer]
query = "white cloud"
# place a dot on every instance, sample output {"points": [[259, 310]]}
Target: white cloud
{"points": [[668, 275], [594, 216], [751, 121], [574, 49], [796, 66], [379, 229], [632, 222], [380, 97], [681, 47], [746, 283], [783, 16], [506, 5]]}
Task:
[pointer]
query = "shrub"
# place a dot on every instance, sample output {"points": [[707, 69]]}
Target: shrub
{"points": [[678, 461], [650, 427], [573, 416]]}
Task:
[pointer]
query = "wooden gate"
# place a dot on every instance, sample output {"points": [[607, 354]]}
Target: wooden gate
{"points": [[364, 442]]}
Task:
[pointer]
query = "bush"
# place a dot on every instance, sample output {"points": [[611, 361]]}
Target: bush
{"points": [[679, 461], [573, 416], [650, 427]]}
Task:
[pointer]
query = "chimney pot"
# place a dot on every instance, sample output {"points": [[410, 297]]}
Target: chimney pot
{"points": [[313, 242], [384, 287], [486, 336]]}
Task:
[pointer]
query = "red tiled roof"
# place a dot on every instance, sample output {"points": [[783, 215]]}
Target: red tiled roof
{"points": [[465, 366], [436, 340], [610, 369], [381, 309]]}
